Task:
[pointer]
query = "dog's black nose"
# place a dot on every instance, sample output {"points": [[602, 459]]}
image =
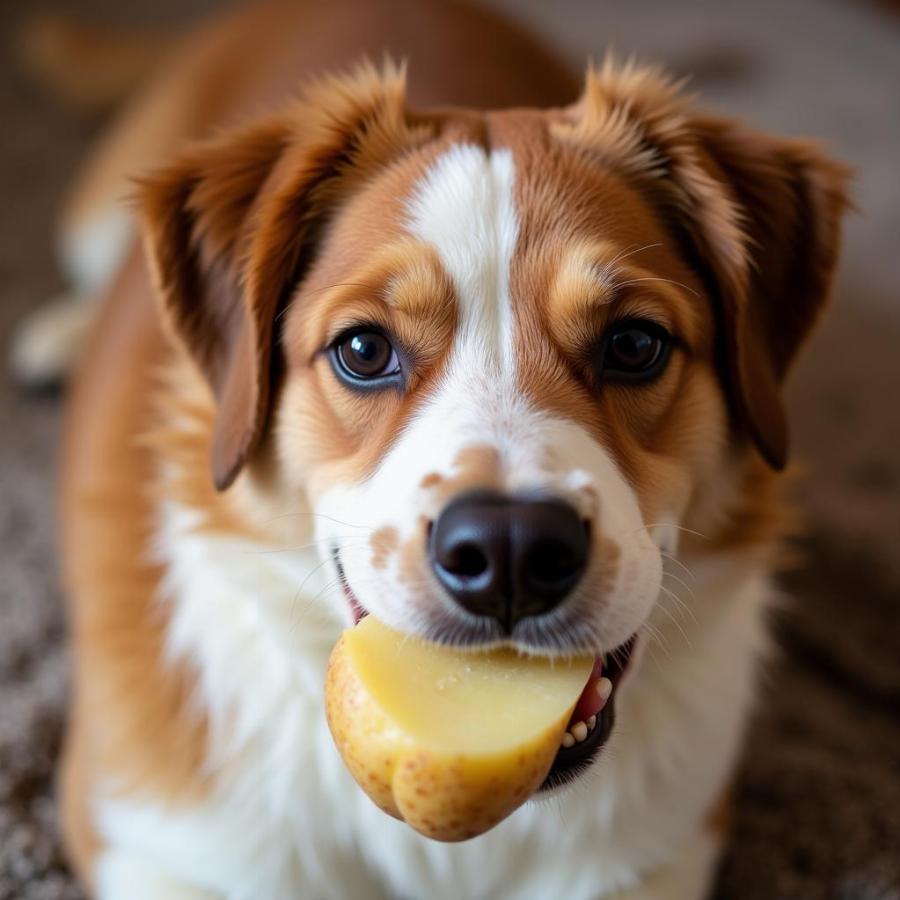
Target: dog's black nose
{"points": [[508, 558]]}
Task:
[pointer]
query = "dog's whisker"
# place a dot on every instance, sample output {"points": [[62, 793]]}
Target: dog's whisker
{"points": [[316, 569], [318, 515], [682, 608], [676, 527], [657, 278], [680, 581], [679, 563], [310, 600], [629, 252], [329, 586], [316, 543], [670, 615], [658, 639]]}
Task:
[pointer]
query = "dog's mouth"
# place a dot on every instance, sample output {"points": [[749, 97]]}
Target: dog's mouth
{"points": [[591, 722]]}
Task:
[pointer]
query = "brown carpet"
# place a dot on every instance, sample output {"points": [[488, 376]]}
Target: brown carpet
{"points": [[818, 801]]}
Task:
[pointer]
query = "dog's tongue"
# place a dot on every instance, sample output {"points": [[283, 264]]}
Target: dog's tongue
{"points": [[594, 696]]}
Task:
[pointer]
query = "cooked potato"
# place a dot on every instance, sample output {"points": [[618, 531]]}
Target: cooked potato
{"points": [[450, 741]]}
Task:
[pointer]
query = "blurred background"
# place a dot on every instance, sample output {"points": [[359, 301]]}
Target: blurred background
{"points": [[818, 799]]}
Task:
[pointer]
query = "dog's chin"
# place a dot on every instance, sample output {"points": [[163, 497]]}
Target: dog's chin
{"points": [[592, 722]]}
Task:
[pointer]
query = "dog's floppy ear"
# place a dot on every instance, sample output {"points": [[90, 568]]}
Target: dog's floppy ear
{"points": [[758, 216], [766, 215], [230, 226], [197, 216]]}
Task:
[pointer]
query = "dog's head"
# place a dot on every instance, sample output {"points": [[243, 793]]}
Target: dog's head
{"points": [[503, 358]]}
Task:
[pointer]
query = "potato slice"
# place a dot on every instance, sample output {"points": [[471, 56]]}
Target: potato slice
{"points": [[450, 741]]}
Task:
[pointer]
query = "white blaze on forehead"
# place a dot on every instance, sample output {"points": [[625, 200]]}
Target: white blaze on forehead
{"points": [[464, 208]]}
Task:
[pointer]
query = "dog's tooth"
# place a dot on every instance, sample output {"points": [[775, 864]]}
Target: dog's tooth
{"points": [[592, 721], [604, 689], [567, 740], [579, 731]]}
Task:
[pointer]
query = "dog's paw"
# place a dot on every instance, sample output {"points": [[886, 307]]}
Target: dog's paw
{"points": [[47, 342]]}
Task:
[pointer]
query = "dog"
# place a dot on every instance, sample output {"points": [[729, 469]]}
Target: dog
{"points": [[357, 319]]}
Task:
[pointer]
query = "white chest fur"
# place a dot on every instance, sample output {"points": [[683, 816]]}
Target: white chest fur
{"points": [[288, 821]]}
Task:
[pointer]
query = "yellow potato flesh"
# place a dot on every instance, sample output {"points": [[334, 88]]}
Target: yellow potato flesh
{"points": [[450, 741]]}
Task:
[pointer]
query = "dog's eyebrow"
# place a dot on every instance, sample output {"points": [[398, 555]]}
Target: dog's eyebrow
{"points": [[599, 277], [593, 279], [584, 279], [419, 288]]}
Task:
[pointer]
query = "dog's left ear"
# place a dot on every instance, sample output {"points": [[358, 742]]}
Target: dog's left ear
{"points": [[765, 214], [758, 217], [232, 224]]}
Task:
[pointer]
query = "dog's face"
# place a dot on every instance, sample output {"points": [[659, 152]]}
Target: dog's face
{"points": [[516, 326], [503, 359]]}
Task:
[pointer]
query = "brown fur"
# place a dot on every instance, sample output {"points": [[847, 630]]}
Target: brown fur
{"points": [[476, 467], [128, 704], [384, 543]]}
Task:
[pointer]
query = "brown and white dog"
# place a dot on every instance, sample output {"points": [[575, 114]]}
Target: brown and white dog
{"points": [[369, 325]]}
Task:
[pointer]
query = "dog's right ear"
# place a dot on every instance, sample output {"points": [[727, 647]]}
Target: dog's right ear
{"points": [[229, 229], [196, 215]]}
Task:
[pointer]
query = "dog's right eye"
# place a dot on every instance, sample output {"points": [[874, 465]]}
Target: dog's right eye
{"points": [[365, 355]]}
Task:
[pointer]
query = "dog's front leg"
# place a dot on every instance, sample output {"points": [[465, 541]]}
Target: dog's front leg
{"points": [[122, 875], [686, 877]]}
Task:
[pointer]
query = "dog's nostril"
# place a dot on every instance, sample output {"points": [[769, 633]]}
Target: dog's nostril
{"points": [[549, 562], [467, 561]]}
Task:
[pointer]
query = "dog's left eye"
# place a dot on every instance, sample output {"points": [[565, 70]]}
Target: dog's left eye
{"points": [[635, 350], [364, 355]]}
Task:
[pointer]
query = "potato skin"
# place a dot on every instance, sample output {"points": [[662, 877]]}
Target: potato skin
{"points": [[447, 797]]}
